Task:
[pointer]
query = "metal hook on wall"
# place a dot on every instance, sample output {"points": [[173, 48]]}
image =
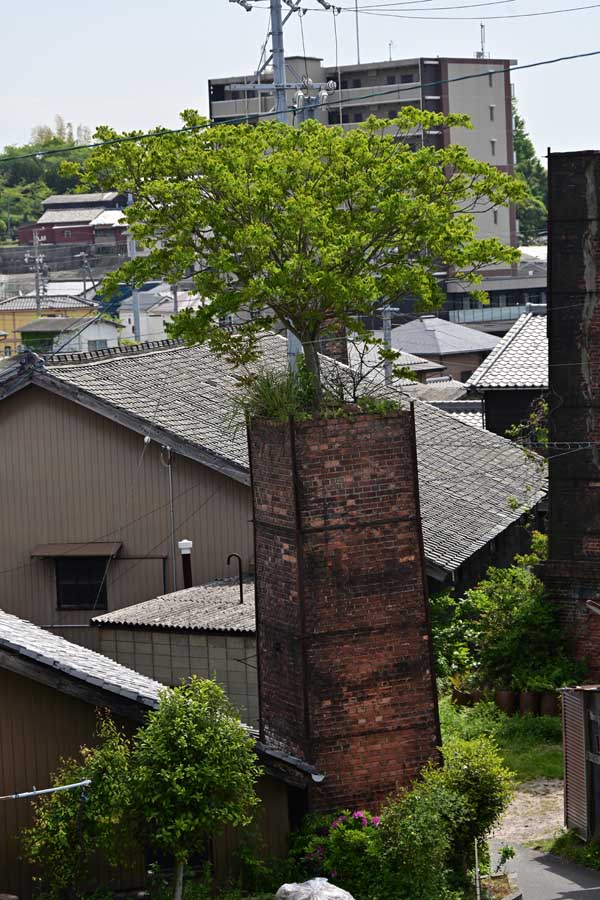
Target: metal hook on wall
{"points": [[239, 559]]}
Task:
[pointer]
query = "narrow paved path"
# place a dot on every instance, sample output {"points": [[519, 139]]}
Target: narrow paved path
{"points": [[544, 877]]}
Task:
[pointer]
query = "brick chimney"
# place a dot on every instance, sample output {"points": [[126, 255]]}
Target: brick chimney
{"points": [[572, 574], [345, 667]]}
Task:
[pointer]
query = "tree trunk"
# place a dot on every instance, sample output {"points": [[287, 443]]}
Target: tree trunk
{"points": [[313, 367], [178, 886]]}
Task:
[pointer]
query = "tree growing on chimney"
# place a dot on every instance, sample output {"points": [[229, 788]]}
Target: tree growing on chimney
{"points": [[308, 227]]}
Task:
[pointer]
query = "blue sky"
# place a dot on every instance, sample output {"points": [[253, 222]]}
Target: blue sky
{"points": [[134, 64]]}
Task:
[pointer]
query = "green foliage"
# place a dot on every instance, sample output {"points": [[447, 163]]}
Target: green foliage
{"points": [[534, 430], [24, 183], [418, 848], [276, 394], [194, 769], [506, 852], [71, 826], [478, 639], [304, 226], [474, 772], [569, 845], [532, 212], [530, 746]]}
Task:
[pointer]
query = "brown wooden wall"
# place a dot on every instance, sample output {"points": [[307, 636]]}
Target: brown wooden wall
{"points": [[38, 727], [70, 475]]}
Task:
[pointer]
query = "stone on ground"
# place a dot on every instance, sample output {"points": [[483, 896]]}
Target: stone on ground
{"points": [[315, 889]]}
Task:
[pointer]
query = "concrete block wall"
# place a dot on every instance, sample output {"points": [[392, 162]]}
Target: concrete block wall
{"points": [[172, 657], [345, 667]]}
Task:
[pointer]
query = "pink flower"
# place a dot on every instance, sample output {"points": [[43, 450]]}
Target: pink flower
{"points": [[359, 814], [375, 821]]}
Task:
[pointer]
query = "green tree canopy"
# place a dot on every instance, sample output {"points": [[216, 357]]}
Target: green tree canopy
{"points": [[26, 182], [533, 212], [194, 770], [306, 227]]}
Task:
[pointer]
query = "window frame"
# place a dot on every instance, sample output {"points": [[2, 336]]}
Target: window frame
{"points": [[99, 583]]}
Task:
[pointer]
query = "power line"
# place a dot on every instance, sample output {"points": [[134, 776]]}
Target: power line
{"points": [[550, 12], [397, 89]]}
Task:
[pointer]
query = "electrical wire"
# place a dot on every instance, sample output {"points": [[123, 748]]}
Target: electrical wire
{"points": [[550, 12], [397, 89]]}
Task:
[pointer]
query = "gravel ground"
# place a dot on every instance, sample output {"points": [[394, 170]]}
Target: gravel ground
{"points": [[536, 813]]}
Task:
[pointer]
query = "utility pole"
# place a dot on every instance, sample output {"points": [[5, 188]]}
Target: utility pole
{"points": [[357, 33], [135, 299], [39, 272], [386, 316], [175, 299], [279, 85]]}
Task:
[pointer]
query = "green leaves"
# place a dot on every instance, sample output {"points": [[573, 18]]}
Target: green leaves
{"points": [[312, 224]]}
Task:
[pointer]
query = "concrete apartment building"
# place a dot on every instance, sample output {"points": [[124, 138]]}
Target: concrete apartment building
{"points": [[382, 88]]}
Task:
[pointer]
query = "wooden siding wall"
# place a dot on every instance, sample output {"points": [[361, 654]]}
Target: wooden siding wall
{"points": [[171, 657], [70, 475], [38, 726]]}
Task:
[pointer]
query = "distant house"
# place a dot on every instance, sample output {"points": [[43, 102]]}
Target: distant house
{"points": [[514, 375], [121, 443], [51, 690], [18, 311], [79, 219], [203, 631], [51, 334], [460, 350], [157, 308]]}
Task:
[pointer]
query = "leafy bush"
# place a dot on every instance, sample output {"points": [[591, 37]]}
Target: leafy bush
{"points": [[71, 826], [421, 847], [472, 771]]}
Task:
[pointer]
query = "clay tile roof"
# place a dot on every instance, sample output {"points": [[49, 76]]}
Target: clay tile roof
{"points": [[473, 483], [208, 607], [25, 639], [519, 361]]}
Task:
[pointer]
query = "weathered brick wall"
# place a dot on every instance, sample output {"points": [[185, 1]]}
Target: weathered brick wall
{"points": [[573, 573], [345, 669]]}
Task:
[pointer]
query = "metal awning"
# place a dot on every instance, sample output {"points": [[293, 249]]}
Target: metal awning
{"points": [[97, 549]]}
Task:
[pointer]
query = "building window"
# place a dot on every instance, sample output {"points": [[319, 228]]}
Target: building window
{"points": [[391, 79], [344, 84], [356, 83], [406, 79], [493, 147], [98, 345], [333, 117], [8, 350], [345, 118], [358, 117], [495, 217], [81, 582], [492, 113], [490, 79], [66, 233]]}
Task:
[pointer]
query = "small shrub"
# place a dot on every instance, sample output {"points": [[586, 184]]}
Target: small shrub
{"points": [[473, 771]]}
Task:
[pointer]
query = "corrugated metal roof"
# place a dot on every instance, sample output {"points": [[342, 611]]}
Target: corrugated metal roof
{"points": [[207, 607], [429, 335], [519, 361], [473, 483], [30, 641]]}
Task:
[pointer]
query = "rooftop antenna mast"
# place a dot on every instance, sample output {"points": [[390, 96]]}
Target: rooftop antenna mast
{"points": [[280, 86]]}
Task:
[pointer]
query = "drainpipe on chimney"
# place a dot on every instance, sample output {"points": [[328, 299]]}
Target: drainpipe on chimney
{"points": [[185, 548]]}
